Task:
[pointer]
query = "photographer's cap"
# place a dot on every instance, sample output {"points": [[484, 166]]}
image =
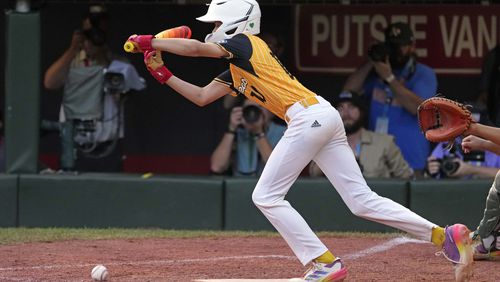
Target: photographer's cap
{"points": [[399, 33], [349, 96]]}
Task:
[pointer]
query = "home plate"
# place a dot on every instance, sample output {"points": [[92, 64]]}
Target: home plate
{"points": [[250, 280]]}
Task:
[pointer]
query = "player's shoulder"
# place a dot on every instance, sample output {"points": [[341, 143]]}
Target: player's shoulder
{"points": [[239, 38], [247, 38]]}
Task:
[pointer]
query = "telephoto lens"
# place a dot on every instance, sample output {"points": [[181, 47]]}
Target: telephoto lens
{"points": [[251, 113], [449, 165], [378, 52]]}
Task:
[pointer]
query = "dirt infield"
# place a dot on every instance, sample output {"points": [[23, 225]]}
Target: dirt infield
{"points": [[368, 259]]}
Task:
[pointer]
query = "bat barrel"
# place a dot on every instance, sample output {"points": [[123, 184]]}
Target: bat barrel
{"points": [[176, 32]]}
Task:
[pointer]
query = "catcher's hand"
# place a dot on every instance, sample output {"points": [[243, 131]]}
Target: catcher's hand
{"points": [[442, 119]]}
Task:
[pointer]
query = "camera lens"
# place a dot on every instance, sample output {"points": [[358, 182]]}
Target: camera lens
{"points": [[114, 82], [449, 166], [251, 113], [378, 52], [96, 36]]}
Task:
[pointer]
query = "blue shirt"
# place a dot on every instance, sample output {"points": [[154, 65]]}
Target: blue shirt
{"points": [[403, 125], [247, 159]]}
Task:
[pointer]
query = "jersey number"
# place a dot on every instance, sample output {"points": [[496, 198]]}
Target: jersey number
{"points": [[256, 93]]}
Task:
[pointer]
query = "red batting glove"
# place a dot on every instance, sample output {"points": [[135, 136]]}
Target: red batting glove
{"points": [[155, 66], [142, 42]]}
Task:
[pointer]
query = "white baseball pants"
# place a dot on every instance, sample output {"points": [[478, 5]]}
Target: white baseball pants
{"points": [[327, 146]]}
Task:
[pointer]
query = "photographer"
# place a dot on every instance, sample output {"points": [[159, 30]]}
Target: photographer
{"points": [[396, 83], [489, 87], [455, 163], [91, 114], [248, 141]]}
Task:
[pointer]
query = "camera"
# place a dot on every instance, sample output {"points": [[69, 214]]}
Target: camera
{"points": [[96, 35], [449, 165], [97, 17], [120, 77], [84, 126], [251, 113], [114, 82], [475, 157], [379, 52]]}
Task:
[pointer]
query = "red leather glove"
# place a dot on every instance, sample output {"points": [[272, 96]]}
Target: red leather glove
{"points": [[142, 43], [155, 65]]}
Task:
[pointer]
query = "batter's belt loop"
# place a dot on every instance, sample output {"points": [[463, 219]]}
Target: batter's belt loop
{"points": [[300, 105]]}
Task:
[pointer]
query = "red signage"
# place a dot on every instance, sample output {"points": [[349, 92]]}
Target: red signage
{"points": [[452, 39]]}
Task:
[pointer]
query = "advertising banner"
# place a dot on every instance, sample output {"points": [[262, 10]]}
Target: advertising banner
{"points": [[452, 39]]}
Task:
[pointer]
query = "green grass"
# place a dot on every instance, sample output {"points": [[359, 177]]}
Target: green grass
{"points": [[27, 235]]}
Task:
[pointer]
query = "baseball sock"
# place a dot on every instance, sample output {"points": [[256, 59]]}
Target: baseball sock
{"points": [[437, 237], [327, 257]]}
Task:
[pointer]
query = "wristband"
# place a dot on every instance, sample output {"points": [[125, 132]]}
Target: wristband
{"points": [[162, 74], [390, 79], [155, 66], [259, 135], [229, 131]]}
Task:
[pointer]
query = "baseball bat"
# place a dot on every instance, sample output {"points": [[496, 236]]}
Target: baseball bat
{"points": [[176, 32]]}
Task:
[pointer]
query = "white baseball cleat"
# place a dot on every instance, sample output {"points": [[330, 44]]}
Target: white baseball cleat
{"points": [[326, 272]]}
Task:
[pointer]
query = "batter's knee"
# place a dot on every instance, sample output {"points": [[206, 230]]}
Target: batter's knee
{"points": [[360, 210], [360, 205], [265, 200], [258, 199]]}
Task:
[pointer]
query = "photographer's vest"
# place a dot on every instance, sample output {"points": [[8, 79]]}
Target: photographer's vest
{"points": [[83, 93], [84, 99]]}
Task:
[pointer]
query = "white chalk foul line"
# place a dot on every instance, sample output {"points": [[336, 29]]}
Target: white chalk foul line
{"points": [[353, 256], [383, 247], [150, 262]]}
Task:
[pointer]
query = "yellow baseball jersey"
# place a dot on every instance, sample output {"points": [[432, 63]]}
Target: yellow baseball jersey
{"points": [[254, 71]]}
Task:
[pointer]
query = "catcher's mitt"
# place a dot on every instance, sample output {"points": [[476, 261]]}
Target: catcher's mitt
{"points": [[442, 119]]}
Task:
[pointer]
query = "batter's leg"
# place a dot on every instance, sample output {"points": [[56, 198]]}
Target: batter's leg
{"points": [[338, 163], [291, 155]]}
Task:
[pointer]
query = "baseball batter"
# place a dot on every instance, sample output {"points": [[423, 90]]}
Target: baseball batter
{"points": [[315, 132]]}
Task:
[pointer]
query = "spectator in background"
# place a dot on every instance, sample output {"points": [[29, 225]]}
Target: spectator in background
{"points": [[489, 88], [396, 83], [2, 144], [91, 115], [249, 140], [453, 162], [376, 153]]}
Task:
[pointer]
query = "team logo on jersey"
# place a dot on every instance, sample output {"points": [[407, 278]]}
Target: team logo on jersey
{"points": [[243, 85]]}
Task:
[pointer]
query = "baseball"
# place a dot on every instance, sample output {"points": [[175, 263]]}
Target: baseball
{"points": [[99, 273]]}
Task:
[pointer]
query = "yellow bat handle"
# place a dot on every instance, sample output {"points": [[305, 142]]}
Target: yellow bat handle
{"points": [[129, 47]]}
